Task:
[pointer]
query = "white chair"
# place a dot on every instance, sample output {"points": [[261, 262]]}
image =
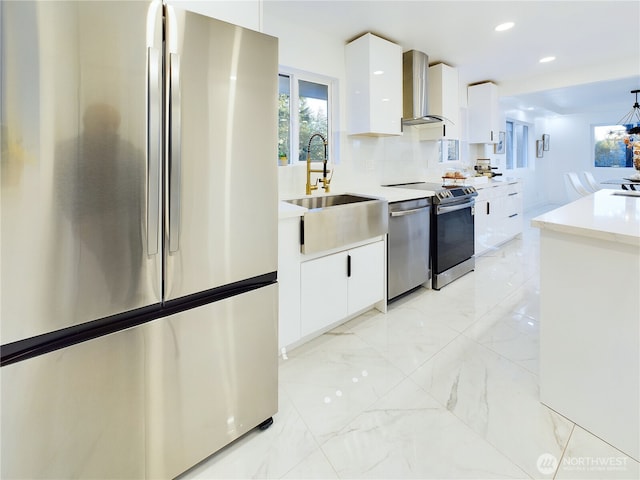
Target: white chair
{"points": [[590, 181], [576, 185]]}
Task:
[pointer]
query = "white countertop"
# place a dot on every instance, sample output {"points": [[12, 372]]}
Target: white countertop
{"points": [[612, 215], [479, 183], [390, 194], [289, 210]]}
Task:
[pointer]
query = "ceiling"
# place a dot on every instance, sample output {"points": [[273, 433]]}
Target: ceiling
{"points": [[596, 44]]}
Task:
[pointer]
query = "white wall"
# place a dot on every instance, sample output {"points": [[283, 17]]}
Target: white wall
{"points": [[571, 150]]}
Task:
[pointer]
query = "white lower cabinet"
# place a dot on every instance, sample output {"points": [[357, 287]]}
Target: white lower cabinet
{"points": [[339, 285], [289, 281], [498, 215], [513, 210], [481, 224], [323, 292], [366, 282]]}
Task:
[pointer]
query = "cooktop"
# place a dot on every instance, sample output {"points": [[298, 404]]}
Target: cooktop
{"points": [[444, 193]]}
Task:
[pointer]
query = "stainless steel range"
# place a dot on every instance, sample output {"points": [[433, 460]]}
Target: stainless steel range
{"points": [[452, 230]]}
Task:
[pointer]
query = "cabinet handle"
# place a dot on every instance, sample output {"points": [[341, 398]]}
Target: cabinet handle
{"points": [[348, 265], [402, 213], [154, 149], [492, 135], [512, 194], [444, 130], [488, 208], [514, 215], [175, 153]]}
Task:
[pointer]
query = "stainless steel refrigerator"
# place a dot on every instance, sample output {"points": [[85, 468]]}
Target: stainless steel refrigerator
{"points": [[138, 237]]}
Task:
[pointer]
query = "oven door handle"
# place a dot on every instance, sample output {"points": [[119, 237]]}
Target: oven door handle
{"points": [[402, 213], [447, 209]]}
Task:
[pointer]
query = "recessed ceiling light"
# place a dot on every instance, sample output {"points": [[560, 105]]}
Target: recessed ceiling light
{"points": [[378, 72], [504, 26], [547, 59]]}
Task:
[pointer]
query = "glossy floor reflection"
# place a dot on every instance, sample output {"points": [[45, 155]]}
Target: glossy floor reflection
{"points": [[443, 386]]}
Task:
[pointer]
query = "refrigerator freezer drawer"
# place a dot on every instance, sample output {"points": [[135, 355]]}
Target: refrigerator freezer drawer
{"points": [[212, 375], [76, 412]]}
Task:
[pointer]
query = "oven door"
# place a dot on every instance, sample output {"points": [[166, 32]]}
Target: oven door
{"points": [[453, 235]]}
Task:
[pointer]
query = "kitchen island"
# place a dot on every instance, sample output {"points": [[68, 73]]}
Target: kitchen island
{"points": [[590, 315]]}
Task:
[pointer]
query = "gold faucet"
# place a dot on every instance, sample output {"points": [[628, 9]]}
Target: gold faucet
{"points": [[325, 181]]}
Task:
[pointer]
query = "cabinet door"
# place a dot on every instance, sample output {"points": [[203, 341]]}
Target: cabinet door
{"points": [[513, 210], [482, 240], [374, 86], [498, 217], [289, 281], [484, 113], [485, 219], [323, 292], [366, 280]]}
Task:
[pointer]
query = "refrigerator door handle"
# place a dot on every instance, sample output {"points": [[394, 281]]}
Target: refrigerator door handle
{"points": [[154, 148], [175, 152]]}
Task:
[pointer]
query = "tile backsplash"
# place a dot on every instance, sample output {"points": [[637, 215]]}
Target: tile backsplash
{"points": [[373, 161]]}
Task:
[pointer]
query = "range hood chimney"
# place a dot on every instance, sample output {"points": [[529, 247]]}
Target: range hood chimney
{"points": [[415, 89]]}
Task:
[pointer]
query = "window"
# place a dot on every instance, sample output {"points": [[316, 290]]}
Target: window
{"points": [[517, 145], [448, 150], [609, 149], [309, 96], [284, 119]]}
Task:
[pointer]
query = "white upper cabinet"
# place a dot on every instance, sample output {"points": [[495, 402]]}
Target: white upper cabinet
{"points": [[484, 113], [444, 102], [374, 86]]}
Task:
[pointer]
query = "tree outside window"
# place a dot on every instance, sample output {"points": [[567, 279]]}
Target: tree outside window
{"points": [[311, 99], [609, 147]]}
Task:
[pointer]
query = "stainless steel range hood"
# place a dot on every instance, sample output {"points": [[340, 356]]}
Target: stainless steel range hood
{"points": [[415, 89]]}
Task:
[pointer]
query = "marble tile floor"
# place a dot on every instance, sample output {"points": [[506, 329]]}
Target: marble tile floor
{"points": [[445, 385]]}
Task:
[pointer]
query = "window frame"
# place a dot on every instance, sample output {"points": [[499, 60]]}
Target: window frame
{"points": [[628, 155], [295, 76], [510, 144]]}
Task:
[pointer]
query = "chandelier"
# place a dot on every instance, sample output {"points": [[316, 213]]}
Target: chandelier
{"points": [[627, 129], [631, 138], [628, 132], [633, 117]]}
